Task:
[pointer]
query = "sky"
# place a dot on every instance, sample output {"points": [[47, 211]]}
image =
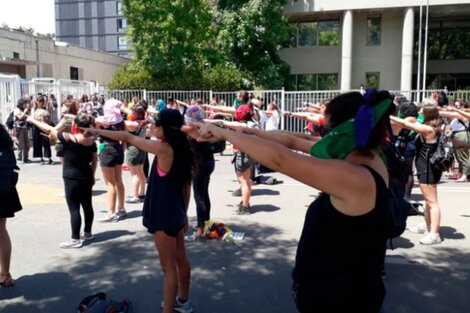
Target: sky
{"points": [[38, 14]]}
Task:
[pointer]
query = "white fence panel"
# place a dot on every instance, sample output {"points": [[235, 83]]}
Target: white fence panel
{"points": [[9, 95], [185, 96]]}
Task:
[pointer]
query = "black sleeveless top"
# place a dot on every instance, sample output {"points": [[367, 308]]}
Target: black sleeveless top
{"points": [[340, 257], [164, 206]]}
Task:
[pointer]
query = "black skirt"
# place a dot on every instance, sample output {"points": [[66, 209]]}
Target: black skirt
{"points": [[10, 204]]}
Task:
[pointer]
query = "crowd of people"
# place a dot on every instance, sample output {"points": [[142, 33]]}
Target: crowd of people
{"points": [[339, 154]]}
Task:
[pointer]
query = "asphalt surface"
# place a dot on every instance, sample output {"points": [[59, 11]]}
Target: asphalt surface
{"points": [[251, 277]]}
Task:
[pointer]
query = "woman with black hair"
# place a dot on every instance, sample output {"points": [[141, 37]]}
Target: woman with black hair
{"points": [[10, 203], [429, 176], [166, 202], [335, 271], [78, 172]]}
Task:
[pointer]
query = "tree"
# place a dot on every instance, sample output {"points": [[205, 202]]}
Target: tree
{"points": [[250, 34], [170, 37]]}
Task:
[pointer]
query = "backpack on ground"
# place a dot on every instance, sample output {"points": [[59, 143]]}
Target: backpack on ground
{"points": [[443, 158], [10, 121], [100, 303]]}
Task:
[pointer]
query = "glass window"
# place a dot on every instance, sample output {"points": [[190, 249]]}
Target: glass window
{"points": [[313, 82], [306, 82], [121, 24], [307, 34], [16, 55], [122, 43], [119, 8], [328, 33], [373, 79], [374, 30], [74, 73], [327, 82]]}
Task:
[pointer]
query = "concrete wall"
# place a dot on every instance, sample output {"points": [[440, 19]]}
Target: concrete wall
{"points": [[56, 61], [328, 5], [385, 58]]}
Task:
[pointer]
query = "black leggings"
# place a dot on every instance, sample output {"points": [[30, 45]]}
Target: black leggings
{"points": [[78, 192], [201, 181]]}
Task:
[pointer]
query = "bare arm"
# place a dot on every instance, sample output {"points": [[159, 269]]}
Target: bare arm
{"points": [[416, 127], [150, 146], [342, 180], [462, 113], [223, 109]]}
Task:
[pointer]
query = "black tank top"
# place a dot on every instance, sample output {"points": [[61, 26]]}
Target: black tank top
{"points": [[341, 257]]}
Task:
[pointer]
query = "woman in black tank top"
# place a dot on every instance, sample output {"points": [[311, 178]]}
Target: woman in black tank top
{"points": [[337, 271]]}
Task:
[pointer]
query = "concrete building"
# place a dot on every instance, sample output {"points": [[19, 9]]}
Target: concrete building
{"points": [[30, 56], [345, 44], [94, 24]]}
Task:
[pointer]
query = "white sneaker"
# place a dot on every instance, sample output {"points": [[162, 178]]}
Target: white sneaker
{"points": [[121, 214], [418, 229], [186, 307], [108, 218], [71, 244], [430, 239]]}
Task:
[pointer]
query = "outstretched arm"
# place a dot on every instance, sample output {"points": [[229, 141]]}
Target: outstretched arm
{"points": [[341, 179], [416, 127]]}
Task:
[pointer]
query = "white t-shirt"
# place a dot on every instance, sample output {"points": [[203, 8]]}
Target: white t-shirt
{"points": [[272, 122], [456, 126]]}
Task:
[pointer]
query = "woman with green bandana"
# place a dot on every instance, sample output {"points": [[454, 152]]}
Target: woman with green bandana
{"points": [[339, 270], [426, 143]]}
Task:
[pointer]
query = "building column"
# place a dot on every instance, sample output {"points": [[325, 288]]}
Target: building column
{"points": [[346, 50], [407, 50]]}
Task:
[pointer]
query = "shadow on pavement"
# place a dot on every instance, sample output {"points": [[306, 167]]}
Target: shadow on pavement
{"points": [[251, 277], [264, 192], [450, 233], [416, 288]]}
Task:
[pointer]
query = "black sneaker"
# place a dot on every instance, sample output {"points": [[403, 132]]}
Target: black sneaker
{"points": [[237, 193], [243, 210]]}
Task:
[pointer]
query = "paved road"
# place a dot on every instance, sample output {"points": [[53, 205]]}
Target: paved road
{"points": [[254, 277]]}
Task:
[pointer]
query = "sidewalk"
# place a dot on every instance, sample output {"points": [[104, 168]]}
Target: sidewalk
{"points": [[254, 277]]}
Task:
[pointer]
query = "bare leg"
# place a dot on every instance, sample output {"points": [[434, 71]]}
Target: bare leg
{"points": [[5, 250], [245, 182], [166, 246], [110, 180], [433, 211], [184, 268], [119, 186]]}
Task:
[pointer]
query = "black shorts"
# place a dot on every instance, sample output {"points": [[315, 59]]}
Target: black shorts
{"points": [[112, 155], [241, 161], [430, 177], [173, 232]]}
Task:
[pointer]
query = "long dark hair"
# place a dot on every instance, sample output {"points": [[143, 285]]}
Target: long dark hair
{"points": [[5, 140], [171, 121], [432, 118]]}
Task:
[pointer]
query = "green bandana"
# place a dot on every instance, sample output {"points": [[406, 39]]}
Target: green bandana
{"points": [[341, 140]]}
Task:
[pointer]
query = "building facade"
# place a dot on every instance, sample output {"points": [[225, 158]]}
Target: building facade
{"points": [[34, 57], [94, 24], [345, 44]]}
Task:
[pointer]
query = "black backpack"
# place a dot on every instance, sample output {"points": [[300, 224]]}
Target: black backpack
{"points": [[10, 121], [100, 303], [443, 158]]}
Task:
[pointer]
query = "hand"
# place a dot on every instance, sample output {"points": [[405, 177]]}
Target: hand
{"points": [[209, 132], [287, 113]]}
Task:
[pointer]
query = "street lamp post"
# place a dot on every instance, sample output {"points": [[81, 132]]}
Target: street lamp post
{"points": [[425, 56], [37, 57]]}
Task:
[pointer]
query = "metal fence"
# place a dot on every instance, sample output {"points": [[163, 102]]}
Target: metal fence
{"points": [[13, 88]]}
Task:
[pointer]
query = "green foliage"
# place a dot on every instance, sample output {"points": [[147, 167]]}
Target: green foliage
{"points": [[250, 34], [217, 78], [221, 45], [169, 37]]}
